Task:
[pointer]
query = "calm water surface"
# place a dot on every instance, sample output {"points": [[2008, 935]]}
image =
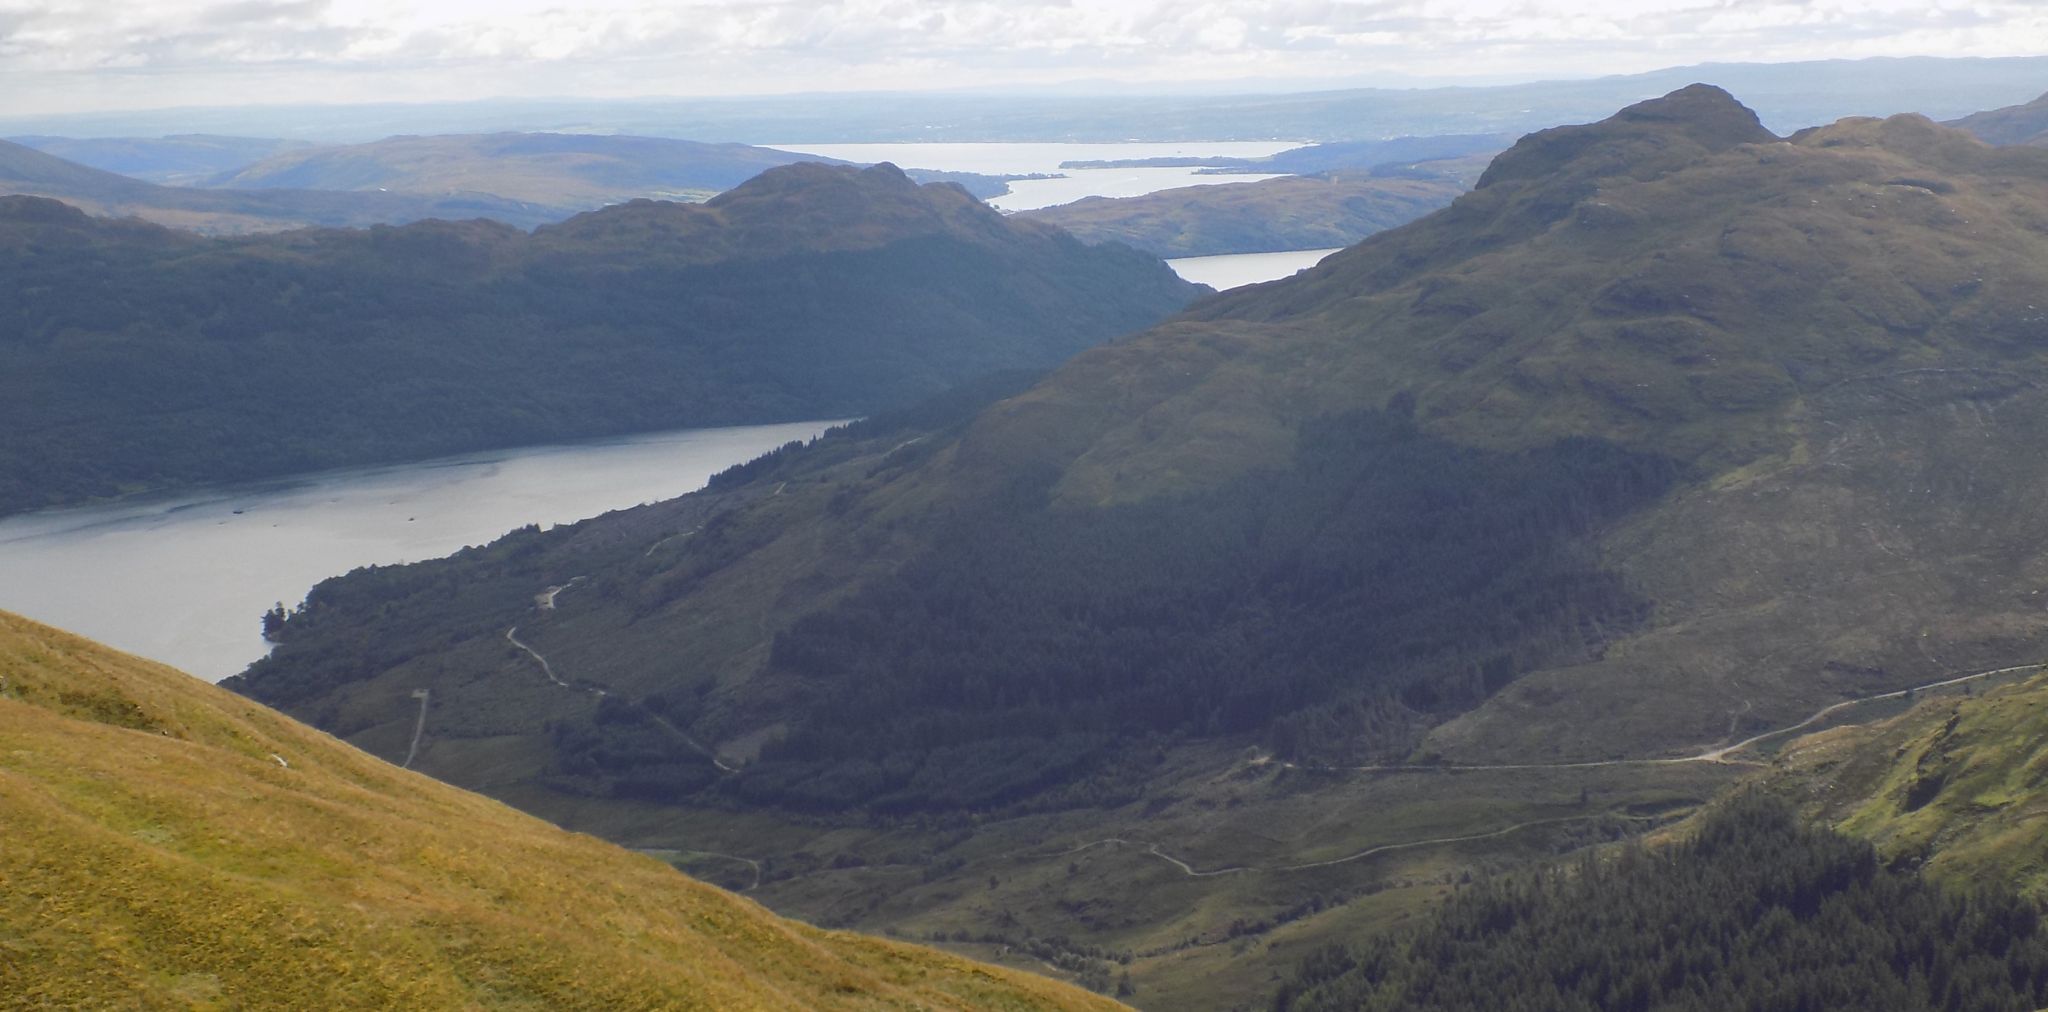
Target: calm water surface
{"points": [[1233, 270], [185, 579], [1025, 194]]}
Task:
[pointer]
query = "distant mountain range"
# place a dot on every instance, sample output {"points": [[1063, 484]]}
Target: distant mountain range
{"points": [[1288, 213], [520, 179], [1788, 95], [1331, 195], [24, 170], [1339, 156], [142, 357], [170, 845], [1487, 535], [177, 160]]}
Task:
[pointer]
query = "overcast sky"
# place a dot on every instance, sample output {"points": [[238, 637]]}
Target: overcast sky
{"points": [[121, 54]]}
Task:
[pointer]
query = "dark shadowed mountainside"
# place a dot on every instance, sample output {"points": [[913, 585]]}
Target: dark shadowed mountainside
{"points": [[1266, 621], [142, 357]]}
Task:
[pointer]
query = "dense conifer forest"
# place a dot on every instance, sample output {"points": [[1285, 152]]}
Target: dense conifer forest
{"points": [[1755, 912], [1338, 605]]}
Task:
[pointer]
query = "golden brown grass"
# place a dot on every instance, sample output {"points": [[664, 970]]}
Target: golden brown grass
{"points": [[166, 844]]}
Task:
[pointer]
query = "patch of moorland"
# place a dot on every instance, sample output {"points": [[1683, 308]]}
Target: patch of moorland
{"points": [[1289, 213], [170, 844], [1669, 433], [139, 357], [1953, 787]]}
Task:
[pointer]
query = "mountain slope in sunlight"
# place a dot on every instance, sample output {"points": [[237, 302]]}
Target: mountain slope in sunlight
{"points": [[169, 844]]}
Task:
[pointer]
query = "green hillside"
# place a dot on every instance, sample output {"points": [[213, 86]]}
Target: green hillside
{"points": [[140, 357], [1953, 787], [171, 845], [1473, 544]]}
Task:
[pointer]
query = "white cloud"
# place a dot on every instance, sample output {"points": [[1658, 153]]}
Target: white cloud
{"points": [[169, 51]]}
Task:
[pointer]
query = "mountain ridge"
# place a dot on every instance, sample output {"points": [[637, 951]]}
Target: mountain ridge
{"points": [[2025, 123], [680, 315], [562, 172], [27, 171]]}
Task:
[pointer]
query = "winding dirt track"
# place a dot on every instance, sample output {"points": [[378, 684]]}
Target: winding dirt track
{"points": [[1712, 755], [512, 636], [1193, 872], [419, 727]]}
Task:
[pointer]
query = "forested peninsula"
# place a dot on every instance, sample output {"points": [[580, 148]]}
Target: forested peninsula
{"points": [[138, 357]]}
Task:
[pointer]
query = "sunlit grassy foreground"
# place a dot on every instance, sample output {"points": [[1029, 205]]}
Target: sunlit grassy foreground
{"points": [[166, 844]]}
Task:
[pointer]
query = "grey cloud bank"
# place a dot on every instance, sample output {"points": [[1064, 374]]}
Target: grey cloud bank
{"points": [[78, 56]]}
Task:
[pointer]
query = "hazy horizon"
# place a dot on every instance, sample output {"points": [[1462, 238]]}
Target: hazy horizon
{"points": [[62, 58]]}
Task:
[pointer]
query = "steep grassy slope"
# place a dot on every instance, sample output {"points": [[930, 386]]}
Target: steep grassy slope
{"points": [[171, 845], [1955, 786], [1670, 432], [25, 170], [1294, 212], [141, 357]]}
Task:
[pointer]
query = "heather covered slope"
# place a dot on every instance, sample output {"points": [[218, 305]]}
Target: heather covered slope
{"points": [[170, 844], [143, 357]]}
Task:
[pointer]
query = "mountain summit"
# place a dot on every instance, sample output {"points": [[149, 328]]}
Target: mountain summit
{"points": [[806, 207], [1641, 141]]}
